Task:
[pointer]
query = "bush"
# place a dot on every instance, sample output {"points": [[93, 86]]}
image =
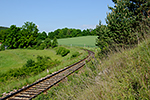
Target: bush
{"points": [[47, 42], [62, 51], [54, 43], [30, 68], [75, 54], [30, 63], [42, 46], [29, 47], [2, 47]]}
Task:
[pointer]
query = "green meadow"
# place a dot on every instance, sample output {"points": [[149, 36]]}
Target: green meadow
{"points": [[83, 41], [17, 58]]}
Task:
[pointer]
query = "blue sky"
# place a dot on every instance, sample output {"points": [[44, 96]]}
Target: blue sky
{"points": [[50, 15]]}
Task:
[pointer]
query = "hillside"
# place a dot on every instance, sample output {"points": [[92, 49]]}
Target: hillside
{"points": [[124, 75], [83, 41]]}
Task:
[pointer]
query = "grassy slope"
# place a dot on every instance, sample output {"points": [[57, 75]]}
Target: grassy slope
{"points": [[79, 41], [123, 75], [19, 56]]}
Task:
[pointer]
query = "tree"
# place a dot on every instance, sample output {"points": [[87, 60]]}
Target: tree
{"points": [[42, 46], [103, 41], [29, 35], [138, 7], [93, 32], [66, 33], [47, 41], [140, 10], [11, 37], [38, 43], [3, 34], [124, 25], [78, 32], [42, 35], [56, 32], [54, 43], [120, 23], [88, 32], [60, 34], [51, 35], [119, 31]]}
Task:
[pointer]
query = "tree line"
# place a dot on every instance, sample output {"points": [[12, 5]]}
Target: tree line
{"points": [[127, 24], [66, 33], [28, 36]]}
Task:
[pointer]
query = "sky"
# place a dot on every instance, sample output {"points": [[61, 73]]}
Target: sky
{"points": [[50, 15]]}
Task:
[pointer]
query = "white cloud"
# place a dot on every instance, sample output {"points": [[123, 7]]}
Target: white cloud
{"points": [[88, 26]]}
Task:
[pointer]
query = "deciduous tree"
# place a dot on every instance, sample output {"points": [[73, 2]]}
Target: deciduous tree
{"points": [[54, 43], [29, 35], [47, 41]]}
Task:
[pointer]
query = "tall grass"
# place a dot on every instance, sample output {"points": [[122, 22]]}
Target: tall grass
{"points": [[123, 75]]}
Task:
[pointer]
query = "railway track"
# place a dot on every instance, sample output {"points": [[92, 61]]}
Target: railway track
{"points": [[31, 91]]}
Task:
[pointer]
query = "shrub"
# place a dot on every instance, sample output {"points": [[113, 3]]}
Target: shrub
{"points": [[62, 51], [30, 68], [42, 46], [30, 63], [54, 43], [2, 47], [29, 47], [47, 42], [75, 54]]}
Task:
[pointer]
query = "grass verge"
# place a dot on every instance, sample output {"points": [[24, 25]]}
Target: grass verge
{"points": [[123, 75]]}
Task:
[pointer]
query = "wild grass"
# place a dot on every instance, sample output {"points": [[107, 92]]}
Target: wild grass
{"points": [[17, 83], [123, 75], [83, 41]]}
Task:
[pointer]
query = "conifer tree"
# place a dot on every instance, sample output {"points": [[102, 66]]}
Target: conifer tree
{"points": [[103, 41], [140, 10], [127, 24], [120, 23]]}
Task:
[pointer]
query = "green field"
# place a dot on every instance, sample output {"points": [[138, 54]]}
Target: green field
{"points": [[84, 41], [18, 57], [3, 28]]}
